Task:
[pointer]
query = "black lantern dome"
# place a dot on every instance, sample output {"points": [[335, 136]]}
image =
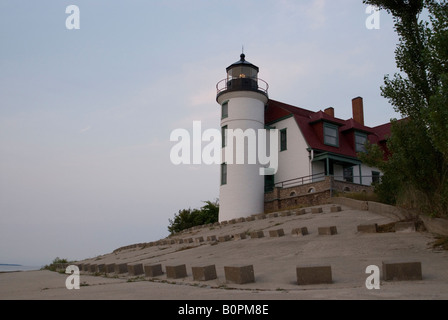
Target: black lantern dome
{"points": [[242, 69], [242, 76]]}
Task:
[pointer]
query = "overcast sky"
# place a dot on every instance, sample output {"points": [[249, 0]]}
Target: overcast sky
{"points": [[86, 115]]}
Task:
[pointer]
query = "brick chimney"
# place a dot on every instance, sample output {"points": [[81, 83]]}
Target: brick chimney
{"points": [[330, 111], [358, 110]]}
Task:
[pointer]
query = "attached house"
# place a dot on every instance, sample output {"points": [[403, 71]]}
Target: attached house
{"points": [[319, 151]]}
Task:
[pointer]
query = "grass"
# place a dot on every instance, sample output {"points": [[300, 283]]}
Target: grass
{"points": [[441, 242], [388, 227], [135, 279], [362, 196]]}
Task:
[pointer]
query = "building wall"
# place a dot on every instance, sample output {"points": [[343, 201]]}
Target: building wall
{"points": [[305, 194], [309, 194], [243, 194], [294, 162], [366, 172], [318, 167]]}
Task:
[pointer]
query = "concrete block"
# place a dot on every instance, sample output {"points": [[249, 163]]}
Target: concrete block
{"points": [[121, 268], [110, 268], [435, 225], [239, 236], [250, 219], [368, 228], [176, 272], [100, 268], [261, 216], [199, 239], [335, 209], [400, 271], [188, 240], [211, 238], [312, 274], [256, 234], [405, 227], [153, 270], [239, 220], [316, 210], [240, 274], [285, 214], [298, 232], [223, 223], [224, 238], [273, 215], [300, 212], [276, 233], [204, 273], [135, 269], [233, 221], [323, 231]]}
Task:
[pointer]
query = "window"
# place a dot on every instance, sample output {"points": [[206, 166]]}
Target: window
{"points": [[225, 110], [360, 142], [223, 174], [348, 174], [331, 135], [224, 136], [375, 177], [283, 141], [269, 183]]}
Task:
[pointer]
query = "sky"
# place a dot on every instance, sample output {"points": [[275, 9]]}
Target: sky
{"points": [[86, 114]]}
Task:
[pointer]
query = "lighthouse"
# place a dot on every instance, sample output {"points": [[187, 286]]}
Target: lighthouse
{"points": [[242, 97]]}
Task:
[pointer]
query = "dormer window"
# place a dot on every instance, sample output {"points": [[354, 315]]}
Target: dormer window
{"points": [[331, 135], [360, 141]]}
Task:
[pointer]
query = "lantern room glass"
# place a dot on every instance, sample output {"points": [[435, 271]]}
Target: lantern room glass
{"points": [[242, 72]]}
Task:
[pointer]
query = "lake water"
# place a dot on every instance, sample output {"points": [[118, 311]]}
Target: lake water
{"points": [[4, 268]]}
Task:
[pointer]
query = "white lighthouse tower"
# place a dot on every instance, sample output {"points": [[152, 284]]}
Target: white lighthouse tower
{"points": [[242, 97]]}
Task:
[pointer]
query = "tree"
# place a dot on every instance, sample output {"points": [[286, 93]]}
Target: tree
{"points": [[416, 173], [187, 218]]}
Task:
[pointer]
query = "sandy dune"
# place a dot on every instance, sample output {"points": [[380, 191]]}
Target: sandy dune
{"points": [[274, 261]]}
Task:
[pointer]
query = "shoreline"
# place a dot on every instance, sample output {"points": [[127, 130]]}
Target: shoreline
{"points": [[274, 259], [5, 269]]}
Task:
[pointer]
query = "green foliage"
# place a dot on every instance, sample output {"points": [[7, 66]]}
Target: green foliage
{"points": [[56, 262], [416, 173], [187, 218], [361, 196]]}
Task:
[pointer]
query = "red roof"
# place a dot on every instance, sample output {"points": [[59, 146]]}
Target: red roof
{"points": [[310, 124]]}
